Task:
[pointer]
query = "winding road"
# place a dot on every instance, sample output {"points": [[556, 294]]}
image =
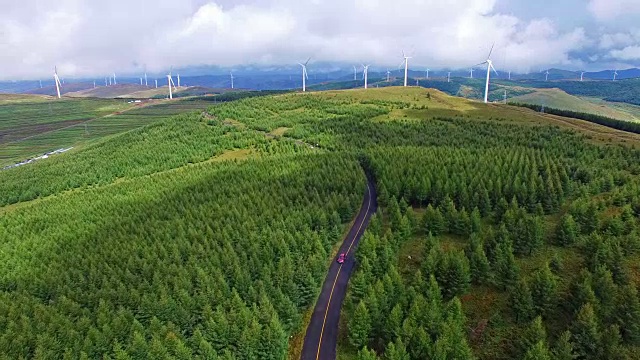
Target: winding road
{"points": [[322, 334]]}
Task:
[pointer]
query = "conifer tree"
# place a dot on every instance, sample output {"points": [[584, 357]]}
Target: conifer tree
{"points": [[366, 354], [478, 265], [505, 266], [628, 314], [563, 350], [396, 351], [534, 334], [359, 326], [543, 289], [539, 351], [522, 302], [586, 336], [567, 231]]}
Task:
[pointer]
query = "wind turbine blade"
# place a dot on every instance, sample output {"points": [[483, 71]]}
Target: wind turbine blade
{"points": [[306, 62], [482, 63], [494, 69], [491, 51]]}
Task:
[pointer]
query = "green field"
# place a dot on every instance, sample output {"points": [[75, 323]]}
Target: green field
{"points": [[556, 98], [207, 234], [30, 129]]}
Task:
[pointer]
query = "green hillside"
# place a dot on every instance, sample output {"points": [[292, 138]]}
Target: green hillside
{"points": [[556, 98], [29, 129], [207, 235]]}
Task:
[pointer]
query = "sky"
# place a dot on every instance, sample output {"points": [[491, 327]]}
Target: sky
{"points": [[88, 38]]}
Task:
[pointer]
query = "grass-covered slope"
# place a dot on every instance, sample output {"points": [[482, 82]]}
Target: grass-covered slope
{"points": [[556, 98]]}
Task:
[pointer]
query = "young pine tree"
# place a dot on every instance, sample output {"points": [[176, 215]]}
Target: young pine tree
{"points": [[567, 232], [505, 266], [564, 348], [534, 334], [538, 351], [478, 265], [359, 326], [586, 335], [543, 289], [522, 302], [628, 314]]}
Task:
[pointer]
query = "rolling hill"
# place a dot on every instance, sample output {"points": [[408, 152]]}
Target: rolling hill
{"points": [[559, 99], [501, 231]]}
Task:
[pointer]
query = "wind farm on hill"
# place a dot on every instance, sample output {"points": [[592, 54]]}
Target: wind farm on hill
{"points": [[278, 180]]}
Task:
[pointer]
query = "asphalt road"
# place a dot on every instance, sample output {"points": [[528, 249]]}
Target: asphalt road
{"points": [[322, 334]]}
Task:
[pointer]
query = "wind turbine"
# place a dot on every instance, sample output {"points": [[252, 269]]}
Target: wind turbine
{"points": [[509, 75], [449, 76], [304, 75], [406, 67], [365, 74], [114, 79], [231, 74], [94, 84], [546, 76], [178, 80], [140, 81], [582, 76], [105, 82], [57, 81], [471, 76], [40, 84], [170, 82], [355, 73], [388, 74], [109, 80], [146, 83], [156, 83], [489, 68], [427, 74], [615, 74]]}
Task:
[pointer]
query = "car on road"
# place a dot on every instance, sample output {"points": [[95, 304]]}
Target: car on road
{"points": [[341, 258]]}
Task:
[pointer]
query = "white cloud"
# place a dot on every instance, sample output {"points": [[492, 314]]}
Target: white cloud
{"points": [[607, 10], [94, 38], [628, 53]]}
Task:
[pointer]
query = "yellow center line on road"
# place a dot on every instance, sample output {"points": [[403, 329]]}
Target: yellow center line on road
{"points": [[340, 269]]}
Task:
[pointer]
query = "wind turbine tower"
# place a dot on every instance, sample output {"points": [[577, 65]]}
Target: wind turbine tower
{"points": [[304, 75], [509, 75], [355, 73], [170, 82], [582, 76], [105, 82], [546, 76], [449, 76], [57, 81], [406, 67], [365, 74], [615, 75], [114, 79], [471, 76], [489, 68], [178, 80], [427, 74], [231, 74], [388, 75], [146, 83], [40, 84], [156, 83]]}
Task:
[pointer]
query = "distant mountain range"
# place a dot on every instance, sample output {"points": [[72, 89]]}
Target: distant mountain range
{"points": [[289, 77]]}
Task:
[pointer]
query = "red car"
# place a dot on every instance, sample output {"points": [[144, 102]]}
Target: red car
{"points": [[341, 258]]}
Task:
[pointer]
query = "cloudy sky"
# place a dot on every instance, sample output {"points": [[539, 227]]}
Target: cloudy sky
{"points": [[94, 38]]}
